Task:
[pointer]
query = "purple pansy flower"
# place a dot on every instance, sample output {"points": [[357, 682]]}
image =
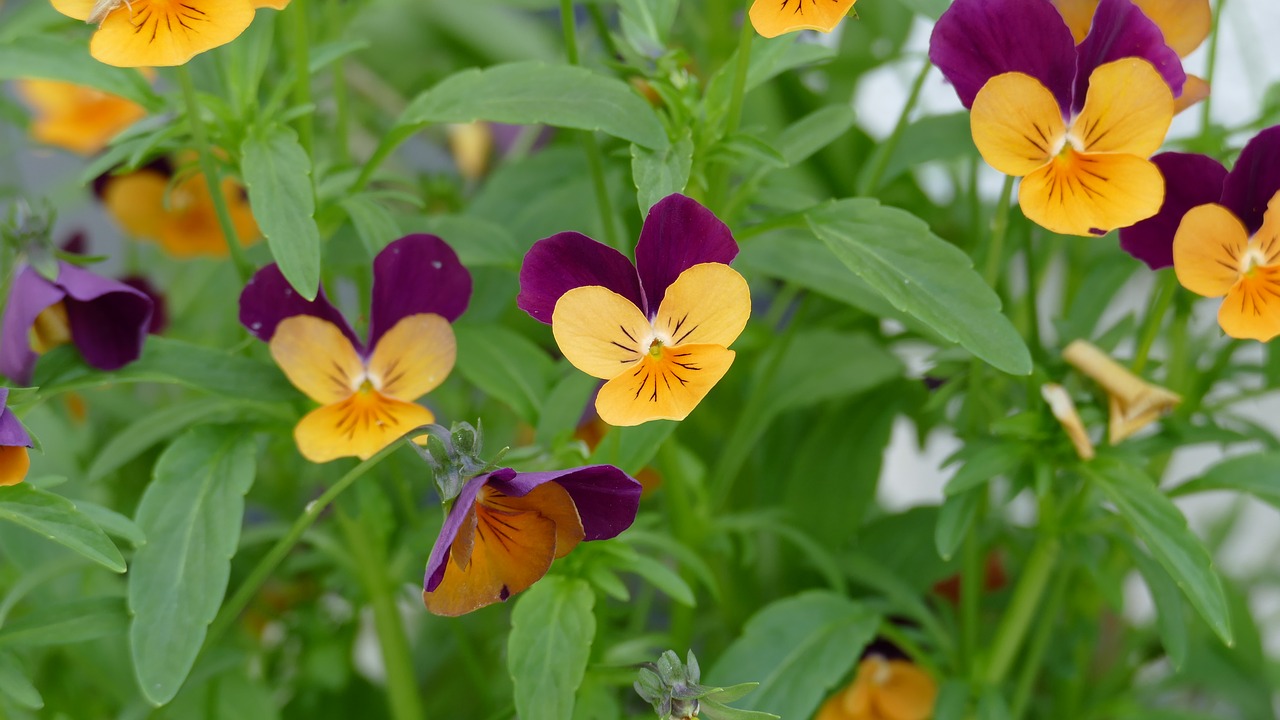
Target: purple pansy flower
{"points": [[106, 319], [14, 442], [1190, 180], [367, 391], [505, 528]]}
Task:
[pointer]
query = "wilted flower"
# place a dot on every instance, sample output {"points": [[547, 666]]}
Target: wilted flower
{"points": [[75, 117], [883, 690], [658, 331], [1064, 409], [14, 442], [772, 18], [366, 392], [1134, 403]]}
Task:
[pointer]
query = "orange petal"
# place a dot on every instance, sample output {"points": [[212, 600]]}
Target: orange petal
{"points": [[600, 332], [78, 9], [708, 304], [666, 387], [1128, 110], [1207, 250], [908, 693], [137, 202], [511, 548], [163, 33], [1194, 90], [317, 358], [191, 227], [359, 426], [1016, 123], [51, 328], [270, 4], [14, 463], [549, 500], [1185, 23], [772, 18], [1091, 194], [1078, 15], [77, 118], [1251, 310], [413, 357]]}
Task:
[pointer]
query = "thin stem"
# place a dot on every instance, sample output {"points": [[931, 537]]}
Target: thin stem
{"points": [[1166, 288], [1031, 298], [1022, 608], [342, 99], [999, 229], [894, 634], [972, 580], [209, 166], [871, 181], [719, 183], [1038, 645], [240, 600], [569, 25], [302, 61], [1206, 107]]}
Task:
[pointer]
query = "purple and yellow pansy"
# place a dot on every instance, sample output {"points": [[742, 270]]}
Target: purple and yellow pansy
{"points": [[1076, 122], [366, 390], [106, 319], [772, 18], [14, 441], [505, 528], [658, 331]]}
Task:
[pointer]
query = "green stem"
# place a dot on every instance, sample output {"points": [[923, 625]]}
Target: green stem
{"points": [[370, 560], [569, 25], [999, 229], [232, 608], [1022, 608], [342, 99], [1031, 299], [1166, 288], [918, 655], [972, 581], [1038, 645], [209, 166], [719, 183], [871, 181], [302, 62], [1206, 106]]}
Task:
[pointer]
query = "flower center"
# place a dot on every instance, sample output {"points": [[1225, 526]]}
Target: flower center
{"points": [[50, 329], [655, 348], [1252, 259]]}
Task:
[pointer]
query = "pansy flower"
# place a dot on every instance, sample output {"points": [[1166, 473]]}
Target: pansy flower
{"points": [[162, 33], [14, 442], [505, 528], [1076, 122], [1190, 180], [883, 689], [1231, 247], [1184, 24], [76, 117], [772, 18], [181, 217], [105, 319], [366, 390], [657, 331]]}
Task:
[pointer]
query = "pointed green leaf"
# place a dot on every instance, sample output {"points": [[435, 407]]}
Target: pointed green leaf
{"points": [[277, 174], [552, 628], [58, 519]]}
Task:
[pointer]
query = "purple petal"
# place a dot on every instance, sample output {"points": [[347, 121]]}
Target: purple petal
{"points": [[678, 233], [568, 260], [607, 498], [1121, 30], [268, 299], [29, 295], [109, 320], [976, 40], [449, 531], [417, 274], [1189, 180], [159, 308], [1255, 179], [11, 431]]}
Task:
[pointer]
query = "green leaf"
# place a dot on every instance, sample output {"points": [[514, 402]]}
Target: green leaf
{"points": [[564, 405], [798, 649], [983, 462], [50, 57], [15, 685], [953, 699], [1170, 616], [663, 578], [923, 275], [374, 224], [647, 23], [936, 137], [1162, 527], [535, 93], [72, 622], [631, 448], [1254, 474], [477, 241], [713, 710], [113, 523], [149, 429], [552, 628], [505, 364], [815, 131], [954, 520], [277, 174], [659, 173], [58, 519], [191, 514]]}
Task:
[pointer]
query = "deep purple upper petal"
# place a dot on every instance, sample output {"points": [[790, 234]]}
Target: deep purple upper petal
{"points": [[417, 274], [568, 260], [465, 501], [268, 299], [975, 40], [159, 307], [1121, 30], [1190, 180], [11, 431], [109, 320], [607, 498], [29, 295], [1255, 179], [678, 233]]}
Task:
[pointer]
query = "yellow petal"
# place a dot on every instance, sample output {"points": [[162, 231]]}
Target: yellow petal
{"points": [[76, 118], [600, 332], [1017, 124], [51, 328], [270, 4], [162, 33], [413, 357], [317, 358], [472, 147], [1207, 250], [666, 387], [1091, 194], [1128, 110], [78, 9], [136, 201], [359, 426], [1078, 14], [1194, 90], [14, 464], [1064, 410], [549, 500], [907, 693], [708, 304], [1185, 23], [1251, 310], [1133, 402], [191, 226], [772, 18]]}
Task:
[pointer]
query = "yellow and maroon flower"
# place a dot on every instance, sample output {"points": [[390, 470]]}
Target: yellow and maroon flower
{"points": [[366, 392], [505, 528], [14, 442], [883, 689], [1076, 122], [75, 117], [1231, 247], [657, 331], [772, 18]]}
